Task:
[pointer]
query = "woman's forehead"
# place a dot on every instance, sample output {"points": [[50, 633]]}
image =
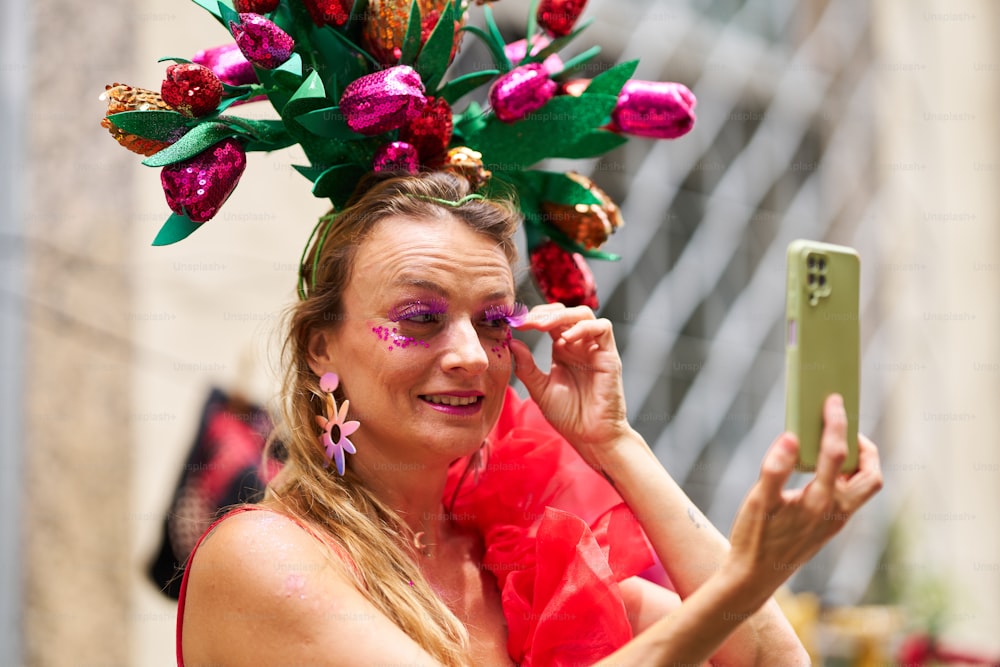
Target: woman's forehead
{"points": [[437, 254]]}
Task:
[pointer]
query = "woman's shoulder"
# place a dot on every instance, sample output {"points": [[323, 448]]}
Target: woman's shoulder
{"points": [[263, 590], [260, 577], [263, 538]]}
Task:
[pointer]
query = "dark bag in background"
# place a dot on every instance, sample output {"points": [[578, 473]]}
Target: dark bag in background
{"points": [[225, 467]]}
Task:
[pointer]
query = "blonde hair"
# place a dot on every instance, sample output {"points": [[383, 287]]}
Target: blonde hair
{"points": [[342, 509]]}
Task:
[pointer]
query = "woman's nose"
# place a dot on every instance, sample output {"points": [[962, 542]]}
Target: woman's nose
{"points": [[465, 348]]}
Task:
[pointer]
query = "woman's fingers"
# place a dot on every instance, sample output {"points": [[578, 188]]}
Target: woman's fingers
{"points": [[777, 468], [555, 317], [867, 480], [832, 447], [525, 368]]}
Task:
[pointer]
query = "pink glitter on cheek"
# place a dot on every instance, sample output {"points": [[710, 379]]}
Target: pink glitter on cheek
{"points": [[396, 340], [505, 344]]}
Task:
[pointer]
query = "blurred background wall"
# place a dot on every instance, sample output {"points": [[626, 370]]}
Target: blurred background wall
{"points": [[870, 124]]}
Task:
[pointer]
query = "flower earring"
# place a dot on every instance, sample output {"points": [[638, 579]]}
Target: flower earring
{"points": [[335, 429]]}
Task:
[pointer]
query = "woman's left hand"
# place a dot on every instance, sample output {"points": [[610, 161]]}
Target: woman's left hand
{"points": [[581, 395]]}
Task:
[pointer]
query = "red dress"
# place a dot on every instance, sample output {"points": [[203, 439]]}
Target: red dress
{"points": [[557, 537]]}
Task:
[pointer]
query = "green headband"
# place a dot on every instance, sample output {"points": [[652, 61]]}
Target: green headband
{"points": [[448, 202]]}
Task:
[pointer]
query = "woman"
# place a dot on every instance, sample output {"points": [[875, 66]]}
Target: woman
{"points": [[410, 304]]}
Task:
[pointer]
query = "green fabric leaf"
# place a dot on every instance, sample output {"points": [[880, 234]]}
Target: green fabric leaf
{"points": [[559, 43], [435, 56], [338, 183], [225, 104], [460, 86], [594, 144], [212, 7], [199, 138], [500, 58], [555, 130], [228, 15], [496, 37], [284, 18], [358, 10], [470, 122], [176, 228], [555, 187], [289, 74], [329, 123], [532, 26], [411, 42], [321, 150], [610, 81], [265, 135], [534, 187], [311, 88], [312, 171], [156, 125], [248, 89], [577, 62], [354, 48], [342, 62]]}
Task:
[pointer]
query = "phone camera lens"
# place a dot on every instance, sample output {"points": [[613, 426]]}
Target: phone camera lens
{"points": [[822, 280], [811, 262], [822, 264], [812, 278]]}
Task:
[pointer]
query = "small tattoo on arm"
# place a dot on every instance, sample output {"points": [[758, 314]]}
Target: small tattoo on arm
{"points": [[695, 517]]}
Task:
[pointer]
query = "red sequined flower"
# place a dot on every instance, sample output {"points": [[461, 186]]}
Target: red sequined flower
{"points": [[562, 276], [192, 89], [430, 132]]}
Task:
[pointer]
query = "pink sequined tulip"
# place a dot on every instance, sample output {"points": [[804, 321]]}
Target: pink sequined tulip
{"points": [[383, 100], [228, 63], [262, 42], [658, 110], [200, 185], [396, 156], [521, 91]]}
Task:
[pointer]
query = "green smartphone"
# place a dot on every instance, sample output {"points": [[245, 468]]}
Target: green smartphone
{"points": [[822, 343]]}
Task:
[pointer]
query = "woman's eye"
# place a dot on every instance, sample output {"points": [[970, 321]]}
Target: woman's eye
{"points": [[506, 316], [423, 318], [419, 312]]}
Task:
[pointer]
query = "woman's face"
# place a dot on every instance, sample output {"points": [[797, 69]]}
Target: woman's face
{"points": [[423, 349]]}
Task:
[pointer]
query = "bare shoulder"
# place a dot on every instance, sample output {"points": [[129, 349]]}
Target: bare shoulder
{"points": [[262, 590]]}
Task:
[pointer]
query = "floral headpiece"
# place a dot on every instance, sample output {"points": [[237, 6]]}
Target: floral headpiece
{"points": [[362, 85]]}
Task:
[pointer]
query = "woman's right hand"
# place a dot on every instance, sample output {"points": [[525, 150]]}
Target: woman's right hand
{"points": [[776, 530]]}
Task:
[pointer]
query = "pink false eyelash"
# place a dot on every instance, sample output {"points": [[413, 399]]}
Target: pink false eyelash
{"points": [[513, 314], [417, 308]]}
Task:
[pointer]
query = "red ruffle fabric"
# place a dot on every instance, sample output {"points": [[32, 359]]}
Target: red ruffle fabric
{"points": [[557, 537]]}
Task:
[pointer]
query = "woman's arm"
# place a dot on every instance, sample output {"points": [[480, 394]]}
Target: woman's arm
{"points": [[692, 550], [583, 398]]}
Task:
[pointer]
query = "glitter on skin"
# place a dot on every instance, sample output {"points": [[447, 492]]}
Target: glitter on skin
{"points": [[395, 339], [498, 349]]}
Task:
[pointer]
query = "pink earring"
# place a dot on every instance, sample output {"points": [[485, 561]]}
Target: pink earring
{"points": [[335, 429]]}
